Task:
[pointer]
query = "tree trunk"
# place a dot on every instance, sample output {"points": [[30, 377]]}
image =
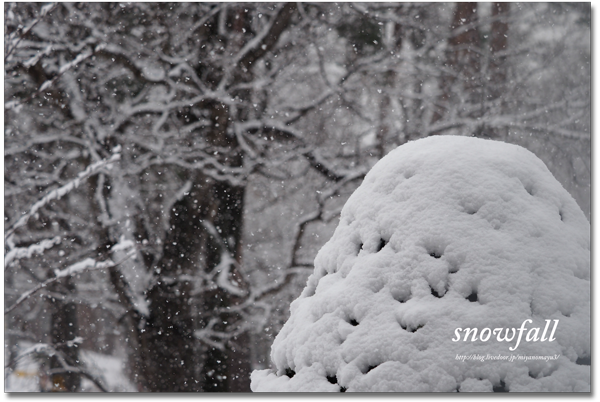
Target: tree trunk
{"points": [[497, 65], [63, 328], [175, 358], [225, 369], [498, 46], [463, 60]]}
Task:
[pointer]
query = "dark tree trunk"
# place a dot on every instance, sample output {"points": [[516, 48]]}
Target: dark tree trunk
{"points": [[225, 370], [170, 356], [228, 369], [464, 55], [497, 65], [63, 328], [176, 360], [463, 60], [498, 47]]}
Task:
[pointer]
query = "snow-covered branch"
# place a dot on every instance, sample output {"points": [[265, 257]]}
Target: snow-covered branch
{"points": [[16, 37], [89, 264], [26, 252], [61, 191], [46, 139], [47, 84], [223, 269], [218, 339], [268, 37]]}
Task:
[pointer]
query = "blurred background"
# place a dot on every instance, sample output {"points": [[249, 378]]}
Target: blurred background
{"points": [[172, 169]]}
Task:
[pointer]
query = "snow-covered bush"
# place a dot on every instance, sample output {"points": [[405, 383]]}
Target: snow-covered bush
{"points": [[445, 233]]}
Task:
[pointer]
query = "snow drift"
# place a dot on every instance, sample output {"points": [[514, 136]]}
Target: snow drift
{"points": [[444, 233]]}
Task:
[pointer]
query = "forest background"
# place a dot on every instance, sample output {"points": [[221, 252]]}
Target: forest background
{"points": [[171, 169]]}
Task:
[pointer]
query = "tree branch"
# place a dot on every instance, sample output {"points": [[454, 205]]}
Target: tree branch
{"points": [[268, 38]]}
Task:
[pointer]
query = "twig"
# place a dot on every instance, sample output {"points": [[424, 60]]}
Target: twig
{"points": [[83, 266], [59, 192]]}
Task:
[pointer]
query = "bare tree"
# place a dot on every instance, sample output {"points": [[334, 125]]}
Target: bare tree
{"points": [[218, 140]]}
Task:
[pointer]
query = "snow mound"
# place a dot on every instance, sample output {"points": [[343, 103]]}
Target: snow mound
{"points": [[445, 233]]}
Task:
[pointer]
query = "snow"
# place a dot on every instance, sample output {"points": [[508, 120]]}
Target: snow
{"points": [[444, 233], [28, 376], [27, 252]]}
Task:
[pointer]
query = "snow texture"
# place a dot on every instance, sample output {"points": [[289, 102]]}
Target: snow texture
{"points": [[444, 233]]}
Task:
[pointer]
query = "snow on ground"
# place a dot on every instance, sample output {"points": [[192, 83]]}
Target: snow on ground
{"points": [[444, 233], [27, 376]]}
